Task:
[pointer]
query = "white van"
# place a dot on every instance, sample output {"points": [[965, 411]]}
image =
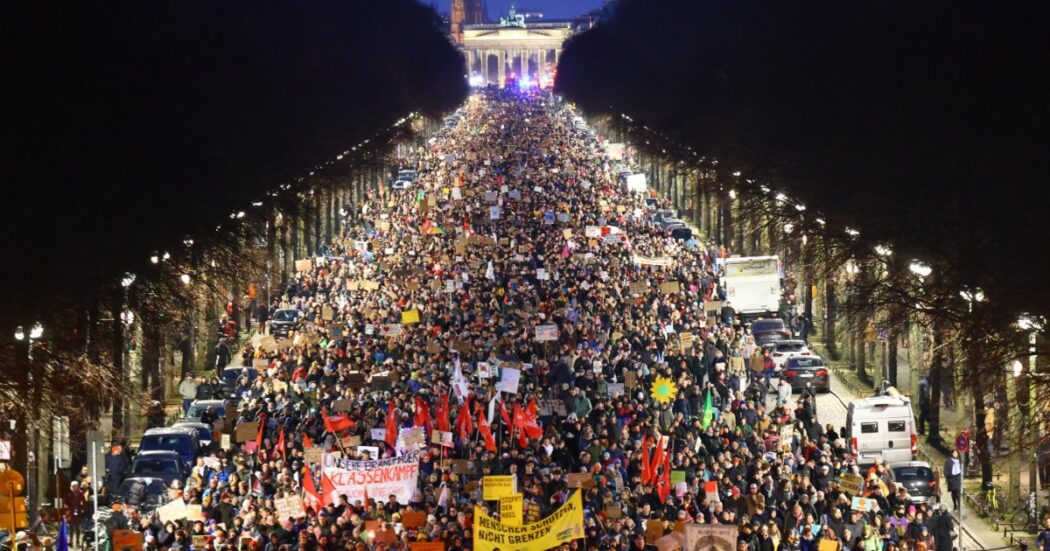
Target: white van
{"points": [[881, 427]]}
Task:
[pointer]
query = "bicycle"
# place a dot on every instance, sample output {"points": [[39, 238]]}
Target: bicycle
{"points": [[1025, 517], [988, 504]]}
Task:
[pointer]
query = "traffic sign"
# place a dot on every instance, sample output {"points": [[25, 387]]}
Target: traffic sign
{"points": [[962, 442]]}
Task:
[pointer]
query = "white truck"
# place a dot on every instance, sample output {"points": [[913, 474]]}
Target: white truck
{"points": [[752, 284]]}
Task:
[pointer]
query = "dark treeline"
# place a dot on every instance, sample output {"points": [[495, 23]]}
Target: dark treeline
{"points": [[922, 124], [132, 125]]}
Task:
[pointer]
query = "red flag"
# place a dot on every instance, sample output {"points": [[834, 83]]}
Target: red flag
{"points": [[503, 413], [663, 486], [532, 425], [327, 489], [259, 435], [647, 472], [422, 414], [307, 443], [309, 487], [658, 458], [463, 424], [519, 426], [441, 411], [486, 432], [391, 424], [280, 443], [426, 227], [336, 423]]}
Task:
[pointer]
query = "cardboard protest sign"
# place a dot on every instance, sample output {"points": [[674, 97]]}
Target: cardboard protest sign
{"points": [[685, 340], [289, 507], [639, 288], [194, 513], [670, 542], [247, 431], [670, 287], [654, 530], [314, 455], [426, 545], [342, 405], [509, 380], [713, 537], [460, 466], [581, 480], [615, 389], [304, 265], [172, 511], [199, 542], [851, 484], [863, 504], [630, 379], [613, 512]]}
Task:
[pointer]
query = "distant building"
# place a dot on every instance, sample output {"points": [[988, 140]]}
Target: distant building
{"points": [[465, 12], [516, 50]]}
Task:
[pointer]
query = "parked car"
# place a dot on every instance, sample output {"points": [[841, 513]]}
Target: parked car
{"points": [[806, 369], [205, 435], [161, 464], [401, 185], [683, 232], [918, 478], [198, 407], [881, 427], [181, 440], [769, 329], [144, 493], [782, 351], [284, 320]]}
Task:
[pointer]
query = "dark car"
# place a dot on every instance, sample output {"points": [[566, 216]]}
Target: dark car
{"points": [[144, 493], [917, 477], [283, 321], [769, 330], [179, 439], [204, 432], [683, 232], [806, 369], [231, 374], [164, 465], [198, 407]]}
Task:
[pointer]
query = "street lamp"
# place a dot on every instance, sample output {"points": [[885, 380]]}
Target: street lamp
{"points": [[129, 278], [852, 232], [883, 250], [36, 332], [20, 334], [185, 279], [920, 269]]}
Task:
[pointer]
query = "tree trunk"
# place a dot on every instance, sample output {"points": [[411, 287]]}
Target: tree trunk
{"points": [[891, 354], [936, 373], [117, 351]]}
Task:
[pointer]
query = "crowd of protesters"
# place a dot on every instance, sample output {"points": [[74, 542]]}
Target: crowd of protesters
{"points": [[495, 237]]}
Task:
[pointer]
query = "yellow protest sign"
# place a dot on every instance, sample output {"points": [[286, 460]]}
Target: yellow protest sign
{"points": [[511, 509], [495, 487], [410, 316], [563, 525]]}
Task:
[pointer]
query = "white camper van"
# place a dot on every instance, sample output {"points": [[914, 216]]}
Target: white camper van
{"points": [[752, 284], [881, 427]]}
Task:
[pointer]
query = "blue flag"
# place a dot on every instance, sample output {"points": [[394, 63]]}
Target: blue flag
{"points": [[63, 537]]}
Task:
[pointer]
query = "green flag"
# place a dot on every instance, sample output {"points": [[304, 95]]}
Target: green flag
{"points": [[709, 410]]}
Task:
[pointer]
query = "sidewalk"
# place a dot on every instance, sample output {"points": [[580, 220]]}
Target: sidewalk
{"points": [[977, 529]]}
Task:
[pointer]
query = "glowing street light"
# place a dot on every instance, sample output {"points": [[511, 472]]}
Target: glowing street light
{"points": [[185, 279], [36, 332], [920, 269], [1017, 368], [128, 279], [20, 334], [883, 250]]}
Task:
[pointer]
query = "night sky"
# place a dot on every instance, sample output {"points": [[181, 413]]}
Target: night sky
{"points": [[552, 9]]}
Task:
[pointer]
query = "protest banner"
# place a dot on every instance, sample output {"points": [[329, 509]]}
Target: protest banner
{"points": [[395, 476], [551, 406], [495, 487], [390, 329], [289, 507], [547, 333], [670, 542], [427, 545], [511, 510], [714, 537], [126, 540], [563, 525], [662, 261]]}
